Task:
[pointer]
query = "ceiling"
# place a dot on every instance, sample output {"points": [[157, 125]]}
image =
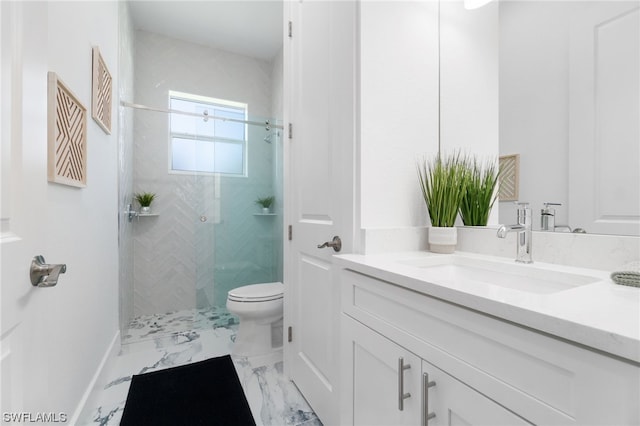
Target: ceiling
{"points": [[249, 28]]}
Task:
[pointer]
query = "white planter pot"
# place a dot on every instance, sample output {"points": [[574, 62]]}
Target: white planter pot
{"points": [[145, 210], [442, 239], [265, 210]]}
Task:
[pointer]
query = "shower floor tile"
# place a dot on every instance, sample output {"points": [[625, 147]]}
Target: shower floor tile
{"points": [[150, 327], [156, 342]]}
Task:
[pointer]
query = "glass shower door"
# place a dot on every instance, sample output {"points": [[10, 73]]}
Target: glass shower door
{"points": [[238, 243], [248, 241]]}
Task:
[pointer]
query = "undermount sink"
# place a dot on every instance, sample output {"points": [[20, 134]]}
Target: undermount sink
{"points": [[528, 278]]}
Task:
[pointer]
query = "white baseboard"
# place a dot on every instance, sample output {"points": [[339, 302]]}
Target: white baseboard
{"points": [[98, 380]]}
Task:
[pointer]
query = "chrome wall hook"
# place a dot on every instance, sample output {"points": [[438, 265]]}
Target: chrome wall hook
{"points": [[43, 274]]}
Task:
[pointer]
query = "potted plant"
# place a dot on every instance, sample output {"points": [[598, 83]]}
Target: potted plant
{"points": [[266, 203], [480, 192], [145, 199], [443, 182]]}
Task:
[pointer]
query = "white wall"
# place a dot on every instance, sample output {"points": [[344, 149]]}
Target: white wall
{"points": [[74, 323], [84, 223], [398, 109]]}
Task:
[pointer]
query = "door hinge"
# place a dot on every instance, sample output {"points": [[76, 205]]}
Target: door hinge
{"points": [[290, 29], [290, 334], [290, 233], [290, 131]]}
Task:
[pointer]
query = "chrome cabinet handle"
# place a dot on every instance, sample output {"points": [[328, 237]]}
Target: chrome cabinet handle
{"points": [[43, 274], [336, 243], [401, 393], [426, 384]]}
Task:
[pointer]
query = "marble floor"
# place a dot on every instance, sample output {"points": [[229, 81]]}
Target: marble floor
{"points": [[155, 342]]}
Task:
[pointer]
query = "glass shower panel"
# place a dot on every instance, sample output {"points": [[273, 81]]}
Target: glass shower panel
{"points": [[247, 241], [238, 244]]}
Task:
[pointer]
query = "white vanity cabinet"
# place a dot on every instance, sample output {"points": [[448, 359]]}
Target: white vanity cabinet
{"points": [[486, 370], [378, 384]]}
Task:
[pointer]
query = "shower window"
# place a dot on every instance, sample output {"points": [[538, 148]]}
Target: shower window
{"points": [[206, 145]]}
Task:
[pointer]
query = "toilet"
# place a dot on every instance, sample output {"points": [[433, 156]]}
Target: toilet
{"points": [[259, 308]]}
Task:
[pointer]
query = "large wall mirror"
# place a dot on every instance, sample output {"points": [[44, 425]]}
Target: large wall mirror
{"points": [[560, 85], [569, 88]]}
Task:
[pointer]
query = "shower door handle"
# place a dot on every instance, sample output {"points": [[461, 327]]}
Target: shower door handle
{"points": [[336, 243]]}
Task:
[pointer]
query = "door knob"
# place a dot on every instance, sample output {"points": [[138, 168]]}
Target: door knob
{"points": [[336, 243]]}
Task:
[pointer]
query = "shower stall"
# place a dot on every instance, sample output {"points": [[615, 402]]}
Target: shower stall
{"points": [[206, 234], [200, 130]]}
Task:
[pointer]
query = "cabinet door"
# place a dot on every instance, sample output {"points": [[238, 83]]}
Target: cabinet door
{"points": [[456, 404], [375, 388]]}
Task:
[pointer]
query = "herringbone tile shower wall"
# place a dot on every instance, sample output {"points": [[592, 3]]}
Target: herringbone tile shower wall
{"points": [[181, 262]]}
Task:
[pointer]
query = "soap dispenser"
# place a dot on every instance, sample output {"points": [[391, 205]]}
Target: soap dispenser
{"points": [[548, 217]]}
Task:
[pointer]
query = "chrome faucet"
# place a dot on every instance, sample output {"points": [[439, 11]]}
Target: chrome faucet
{"points": [[548, 217], [523, 228]]}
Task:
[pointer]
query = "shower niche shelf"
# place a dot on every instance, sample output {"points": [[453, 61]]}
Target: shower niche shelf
{"points": [[131, 213], [265, 214]]}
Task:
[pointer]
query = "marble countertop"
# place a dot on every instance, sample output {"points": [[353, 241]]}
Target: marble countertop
{"points": [[601, 315]]}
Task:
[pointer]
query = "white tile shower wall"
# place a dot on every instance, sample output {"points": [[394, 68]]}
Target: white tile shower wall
{"points": [[177, 256], [125, 165], [605, 252]]}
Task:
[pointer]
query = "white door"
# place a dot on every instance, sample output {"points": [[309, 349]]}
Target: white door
{"points": [[604, 138], [320, 97], [23, 310]]}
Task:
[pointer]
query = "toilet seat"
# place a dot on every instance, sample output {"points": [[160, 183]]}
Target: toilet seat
{"points": [[259, 308], [257, 292]]}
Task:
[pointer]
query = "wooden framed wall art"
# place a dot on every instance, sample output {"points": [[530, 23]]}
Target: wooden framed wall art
{"points": [[101, 92], [66, 134], [509, 177]]}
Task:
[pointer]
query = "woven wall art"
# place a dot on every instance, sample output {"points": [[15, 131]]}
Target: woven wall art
{"points": [[509, 177], [101, 92], [66, 134]]}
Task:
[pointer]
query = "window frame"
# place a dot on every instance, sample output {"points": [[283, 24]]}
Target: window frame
{"points": [[214, 102]]}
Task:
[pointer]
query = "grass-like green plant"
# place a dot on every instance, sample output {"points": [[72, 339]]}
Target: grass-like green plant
{"points": [[145, 198], [443, 182], [266, 202], [480, 192]]}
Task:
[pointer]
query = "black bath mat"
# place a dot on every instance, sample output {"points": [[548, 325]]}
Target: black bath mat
{"points": [[203, 393]]}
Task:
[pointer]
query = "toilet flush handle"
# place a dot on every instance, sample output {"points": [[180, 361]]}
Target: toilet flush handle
{"points": [[336, 243]]}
